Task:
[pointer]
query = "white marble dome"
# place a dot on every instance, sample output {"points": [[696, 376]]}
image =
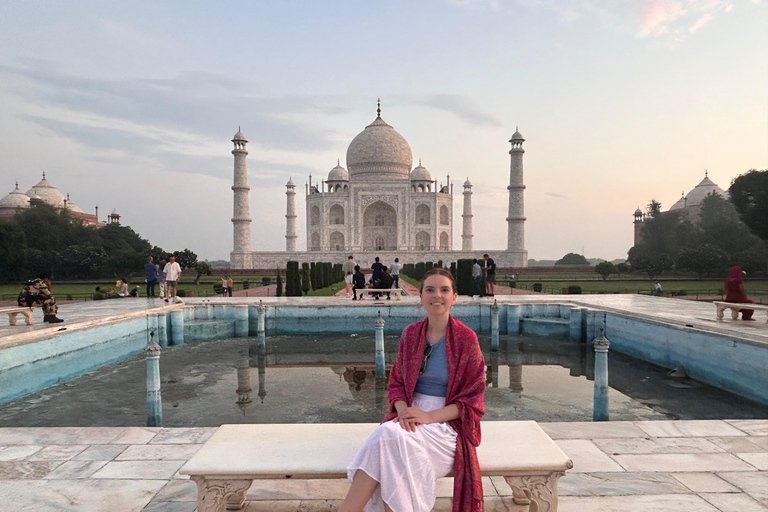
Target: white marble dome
{"points": [[420, 173], [48, 193], [338, 173], [701, 191], [16, 199], [379, 152]]}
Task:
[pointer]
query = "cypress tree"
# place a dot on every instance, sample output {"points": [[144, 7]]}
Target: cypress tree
{"points": [[279, 282], [464, 281], [305, 278], [313, 275]]}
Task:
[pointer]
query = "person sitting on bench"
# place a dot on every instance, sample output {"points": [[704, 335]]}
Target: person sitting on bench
{"points": [[734, 292], [38, 293], [358, 281]]}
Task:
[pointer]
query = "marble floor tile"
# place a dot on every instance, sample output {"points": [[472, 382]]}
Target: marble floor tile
{"points": [[136, 435], [759, 460], [704, 482], [272, 506], [177, 490], [587, 457], [59, 435], [619, 484], [318, 505], [733, 502], [159, 452], [754, 483], [27, 470], [751, 427], [8, 453], [590, 430], [694, 428], [672, 462], [75, 469], [501, 486], [101, 452], [170, 506], [78, 495], [142, 470], [194, 435], [741, 444], [657, 445], [656, 503], [58, 452]]}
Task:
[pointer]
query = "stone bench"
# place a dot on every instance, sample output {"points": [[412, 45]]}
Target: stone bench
{"points": [[736, 307], [236, 455], [395, 293], [13, 312]]}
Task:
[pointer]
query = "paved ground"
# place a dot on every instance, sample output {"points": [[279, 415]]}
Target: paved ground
{"points": [[680, 466]]}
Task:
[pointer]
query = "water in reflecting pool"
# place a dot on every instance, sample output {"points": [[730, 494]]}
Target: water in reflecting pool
{"points": [[330, 378]]}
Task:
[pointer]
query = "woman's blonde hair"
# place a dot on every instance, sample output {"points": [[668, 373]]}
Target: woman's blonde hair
{"points": [[439, 271]]}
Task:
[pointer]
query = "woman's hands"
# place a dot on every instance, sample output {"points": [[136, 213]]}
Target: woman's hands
{"points": [[410, 417]]}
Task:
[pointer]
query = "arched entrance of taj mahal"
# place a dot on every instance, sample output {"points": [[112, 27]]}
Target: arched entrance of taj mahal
{"points": [[379, 227]]}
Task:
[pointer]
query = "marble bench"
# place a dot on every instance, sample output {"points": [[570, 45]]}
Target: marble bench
{"points": [[13, 312], [236, 455], [395, 293], [736, 307]]}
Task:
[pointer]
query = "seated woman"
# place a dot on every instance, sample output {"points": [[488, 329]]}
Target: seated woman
{"points": [[734, 292], [120, 291], [436, 402]]}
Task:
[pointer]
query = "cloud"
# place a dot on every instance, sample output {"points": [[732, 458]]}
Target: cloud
{"points": [[460, 106], [662, 19], [553, 194]]}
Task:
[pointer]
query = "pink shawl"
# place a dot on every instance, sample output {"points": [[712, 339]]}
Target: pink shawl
{"points": [[466, 385]]}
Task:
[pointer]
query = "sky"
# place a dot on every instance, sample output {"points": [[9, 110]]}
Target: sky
{"points": [[131, 106]]}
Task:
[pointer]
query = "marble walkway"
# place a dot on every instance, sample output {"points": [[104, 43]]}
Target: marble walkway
{"points": [[655, 466]]}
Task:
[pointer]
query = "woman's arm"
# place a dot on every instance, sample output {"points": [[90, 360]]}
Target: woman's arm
{"points": [[413, 416]]}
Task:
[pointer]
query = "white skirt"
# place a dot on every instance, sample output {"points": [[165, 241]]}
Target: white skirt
{"points": [[407, 464]]}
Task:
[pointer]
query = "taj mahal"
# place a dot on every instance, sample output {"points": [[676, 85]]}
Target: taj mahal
{"points": [[380, 205]]}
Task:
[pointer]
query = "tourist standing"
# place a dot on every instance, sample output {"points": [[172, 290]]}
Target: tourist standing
{"points": [[161, 279], [435, 393], [477, 275], [394, 270], [172, 272], [349, 270], [657, 289], [376, 268], [490, 275], [224, 284], [230, 285], [150, 274]]}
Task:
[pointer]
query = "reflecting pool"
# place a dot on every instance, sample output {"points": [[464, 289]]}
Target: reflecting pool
{"points": [[330, 378]]}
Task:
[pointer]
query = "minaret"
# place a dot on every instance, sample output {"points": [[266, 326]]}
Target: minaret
{"points": [[466, 235], [240, 258], [290, 217], [516, 217]]}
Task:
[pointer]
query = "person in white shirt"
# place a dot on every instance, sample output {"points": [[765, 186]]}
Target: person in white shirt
{"points": [[394, 270], [477, 275], [172, 273]]}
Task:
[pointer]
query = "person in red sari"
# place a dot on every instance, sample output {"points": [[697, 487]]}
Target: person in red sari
{"points": [[734, 292], [426, 436]]}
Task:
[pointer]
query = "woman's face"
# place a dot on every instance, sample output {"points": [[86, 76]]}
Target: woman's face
{"points": [[437, 295]]}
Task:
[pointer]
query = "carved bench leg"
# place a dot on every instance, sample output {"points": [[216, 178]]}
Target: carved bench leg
{"points": [[539, 490], [12, 318], [734, 313], [720, 312], [28, 317], [220, 495]]}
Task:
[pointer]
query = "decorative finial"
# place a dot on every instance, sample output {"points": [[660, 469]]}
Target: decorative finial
{"points": [[706, 173], [419, 162], [378, 108], [338, 162], [43, 174], [67, 196], [517, 129], [17, 183], [238, 127]]}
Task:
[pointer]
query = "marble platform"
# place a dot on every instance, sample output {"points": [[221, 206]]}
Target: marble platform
{"points": [[668, 466]]}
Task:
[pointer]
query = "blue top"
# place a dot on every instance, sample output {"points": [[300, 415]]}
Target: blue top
{"points": [[434, 380], [150, 271]]}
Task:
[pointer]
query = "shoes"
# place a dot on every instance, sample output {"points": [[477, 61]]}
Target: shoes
{"points": [[166, 299], [52, 319]]}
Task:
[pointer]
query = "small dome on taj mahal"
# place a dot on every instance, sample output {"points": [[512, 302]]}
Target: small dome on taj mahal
{"points": [[239, 136], [517, 135], [338, 173], [420, 173], [467, 183]]}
